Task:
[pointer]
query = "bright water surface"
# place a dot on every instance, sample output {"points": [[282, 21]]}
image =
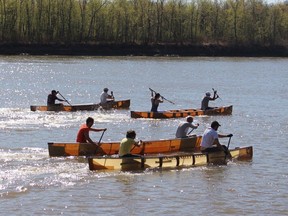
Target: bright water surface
{"points": [[31, 183]]}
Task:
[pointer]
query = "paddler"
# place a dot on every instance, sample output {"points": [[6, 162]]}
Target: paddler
{"points": [[210, 141], [207, 98], [105, 97], [83, 133], [127, 143], [182, 130], [52, 98], [155, 100]]}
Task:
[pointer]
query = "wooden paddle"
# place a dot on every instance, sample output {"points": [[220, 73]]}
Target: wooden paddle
{"points": [[161, 96], [135, 146], [98, 146], [216, 93], [112, 95], [101, 137], [64, 98], [229, 142], [190, 131], [227, 152]]}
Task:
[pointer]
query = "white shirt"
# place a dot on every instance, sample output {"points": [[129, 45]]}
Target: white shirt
{"points": [[208, 138], [103, 97]]}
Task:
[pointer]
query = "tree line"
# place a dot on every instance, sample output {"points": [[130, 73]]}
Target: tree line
{"points": [[143, 22]]}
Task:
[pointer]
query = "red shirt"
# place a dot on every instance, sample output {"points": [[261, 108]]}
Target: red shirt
{"points": [[80, 136]]}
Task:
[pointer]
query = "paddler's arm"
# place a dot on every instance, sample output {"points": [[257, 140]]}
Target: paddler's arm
{"points": [[139, 143], [88, 139], [59, 99], [194, 126], [215, 96], [223, 136], [98, 129], [217, 143]]}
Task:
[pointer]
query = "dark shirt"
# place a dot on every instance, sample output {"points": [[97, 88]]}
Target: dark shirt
{"points": [[154, 107], [155, 104], [205, 102], [51, 99]]}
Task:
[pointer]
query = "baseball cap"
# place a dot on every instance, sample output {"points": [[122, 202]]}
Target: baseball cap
{"points": [[215, 123]]}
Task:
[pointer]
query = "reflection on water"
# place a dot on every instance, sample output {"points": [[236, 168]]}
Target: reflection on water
{"points": [[65, 185]]}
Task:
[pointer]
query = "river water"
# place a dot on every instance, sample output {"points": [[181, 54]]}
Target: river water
{"points": [[31, 183]]}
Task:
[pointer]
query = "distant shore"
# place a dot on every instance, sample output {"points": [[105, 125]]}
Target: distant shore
{"points": [[144, 50]]}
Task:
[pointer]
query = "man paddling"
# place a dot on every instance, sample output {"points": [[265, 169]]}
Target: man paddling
{"points": [[52, 98], [155, 100], [206, 99], [210, 141], [182, 130], [105, 97], [83, 133]]}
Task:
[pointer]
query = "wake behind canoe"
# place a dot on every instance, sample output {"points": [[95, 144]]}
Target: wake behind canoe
{"points": [[181, 113]]}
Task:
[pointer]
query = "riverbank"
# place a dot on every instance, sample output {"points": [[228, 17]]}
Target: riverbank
{"points": [[144, 50]]}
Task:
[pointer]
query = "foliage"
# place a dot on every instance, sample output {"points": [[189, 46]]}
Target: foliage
{"points": [[143, 21]]}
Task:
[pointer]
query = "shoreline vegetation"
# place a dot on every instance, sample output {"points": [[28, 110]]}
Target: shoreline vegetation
{"points": [[144, 27], [145, 50]]}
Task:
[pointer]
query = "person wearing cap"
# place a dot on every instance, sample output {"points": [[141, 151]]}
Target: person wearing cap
{"points": [[210, 141], [206, 99], [52, 98], [105, 97], [83, 132], [155, 100], [182, 130]]}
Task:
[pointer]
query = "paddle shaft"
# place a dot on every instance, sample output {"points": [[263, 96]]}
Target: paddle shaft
{"points": [[64, 98], [227, 152], [101, 137], [216, 94], [190, 131], [133, 147], [228, 143], [98, 145], [162, 96]]}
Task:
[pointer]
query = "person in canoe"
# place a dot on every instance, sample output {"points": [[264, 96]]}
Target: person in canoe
{"points": [[155, 100], [105, 97], [206, 99], [83, 133], [182, 130], [210, 141], [127, 143], [52, 98]]}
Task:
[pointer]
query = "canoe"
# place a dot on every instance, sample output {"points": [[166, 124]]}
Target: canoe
{"points": [[176, 160], [109, 148], [122, 104], [224, 110]]}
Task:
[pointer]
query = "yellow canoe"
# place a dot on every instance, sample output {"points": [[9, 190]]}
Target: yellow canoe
{"points": [[122, 104], [225, 110], [109, 148], [176, 160]]}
